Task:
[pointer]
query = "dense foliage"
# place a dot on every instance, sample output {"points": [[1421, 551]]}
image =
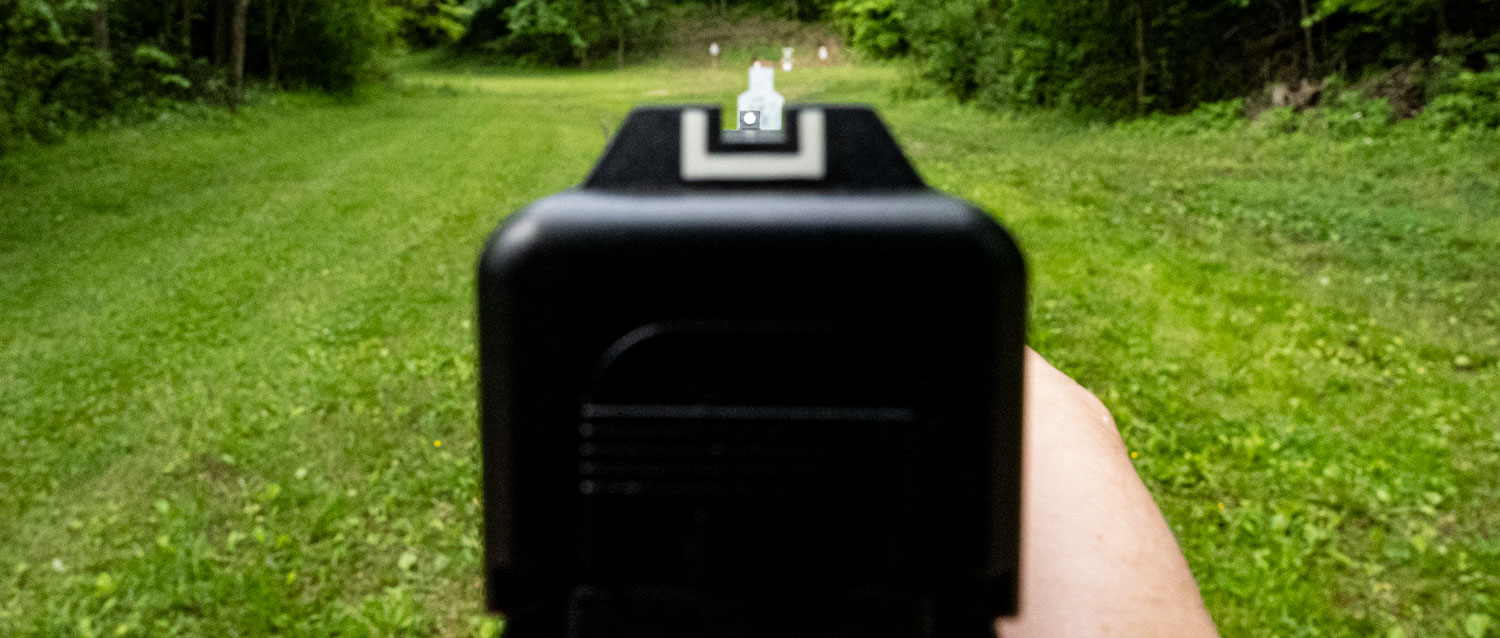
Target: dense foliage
{"points": [[576, 32], [52, 78], [65, 64], [1126, 56], [560, 32], [877, 27]]}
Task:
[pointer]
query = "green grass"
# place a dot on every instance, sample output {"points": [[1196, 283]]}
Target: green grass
{"points": [[228, 350]]}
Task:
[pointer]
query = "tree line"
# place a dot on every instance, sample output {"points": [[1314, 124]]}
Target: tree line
{"points": [[1127, 57], [583, 32], [65, 64]]}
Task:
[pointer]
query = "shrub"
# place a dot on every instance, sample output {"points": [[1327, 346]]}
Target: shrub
{"points": [[1283, 119], [1351, 113], [875, 27], [1473, 101], [560, 32], [1227, 115], [425, 24], [53, 80], [1218, 116], [339, 44]]}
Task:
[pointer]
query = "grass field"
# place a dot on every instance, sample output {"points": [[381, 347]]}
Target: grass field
{"points": [[237, 362]]}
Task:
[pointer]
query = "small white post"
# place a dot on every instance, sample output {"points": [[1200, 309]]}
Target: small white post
{"points": [[786, 58], [823, 53], [713, 51]]}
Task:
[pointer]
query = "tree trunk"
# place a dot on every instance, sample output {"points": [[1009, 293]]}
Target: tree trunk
{"points": [[221, 33], [1281, 24], [1140, 58], [101, 27], [1307, 37], [168, 10], [271, 41], [620, 48], [237, 55], [187, 29]]}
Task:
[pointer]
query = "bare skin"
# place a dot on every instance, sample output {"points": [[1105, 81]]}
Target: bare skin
{"points": [[1097, 556]]}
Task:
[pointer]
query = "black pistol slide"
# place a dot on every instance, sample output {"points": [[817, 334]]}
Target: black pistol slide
{"points": [[751, 383]]}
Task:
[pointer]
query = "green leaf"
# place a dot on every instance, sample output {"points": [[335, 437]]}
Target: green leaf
{"points": [[146, 53], [176, 80]]}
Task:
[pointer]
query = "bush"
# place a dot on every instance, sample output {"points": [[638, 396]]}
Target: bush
{"points": [[948, 40], [37, 63], [1218, 116], [1473, 101], [875, 27], [53, 80], [1350, 113], [339, 44], [1213, 117], [1278, 121], [560, 32], [425, 24], [486, 24], [1124, 57]]}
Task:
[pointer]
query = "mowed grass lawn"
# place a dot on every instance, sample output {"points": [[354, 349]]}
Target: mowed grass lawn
{"points": [[237, 361]]}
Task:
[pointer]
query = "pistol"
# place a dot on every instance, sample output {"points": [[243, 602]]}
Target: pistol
{"points": [[751, 384]]}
